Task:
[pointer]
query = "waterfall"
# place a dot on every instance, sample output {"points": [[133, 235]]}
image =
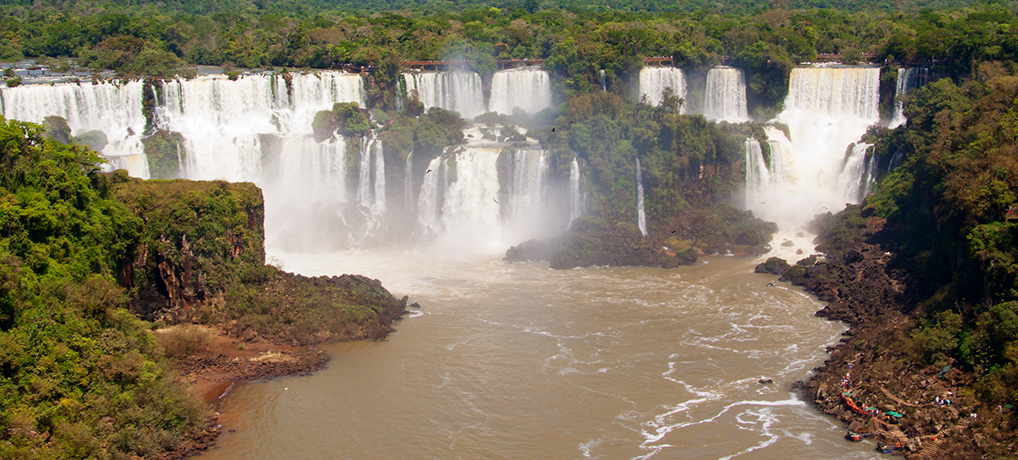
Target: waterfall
{"points": [[604, 85], [470, 208], [526, 88], [258, 129], [221, 118], [408, 176], [371, 175], [429, 210], [908, 79], [827, 109], [758, 177], [456, 91], [377, 153], [576, 198], [113, 108], [853, 176], [725, 97], [870, 176], [641, 216], [309, 171], [654, 80], [527, 213]]}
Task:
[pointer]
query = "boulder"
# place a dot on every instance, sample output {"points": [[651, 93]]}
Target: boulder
{"points": [[773, 266]]}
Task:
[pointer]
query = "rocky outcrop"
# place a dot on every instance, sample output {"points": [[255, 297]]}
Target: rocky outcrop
{"points": [[200, 259], [773, 266]]}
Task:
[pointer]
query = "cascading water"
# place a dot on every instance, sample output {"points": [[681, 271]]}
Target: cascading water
{"points": [[258, 129], [654, 80], [456, 91], [371, 172], [529, 172], [641, 216], [827, 109], [853, 176], [758, 177], [470, 208], [604, 85], [408, 177], [870, 177], [113, 109], [576, 197], [429, 204], [908, 79], [725, 98], [526, 88]]}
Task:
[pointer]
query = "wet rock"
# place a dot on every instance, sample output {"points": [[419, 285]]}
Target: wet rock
{"points": [[808, 261], [95, 140], [765, 381], [56, 128], [787, 244], [773, 266]]}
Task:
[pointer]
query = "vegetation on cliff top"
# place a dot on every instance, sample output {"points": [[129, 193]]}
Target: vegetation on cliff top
{"points": [[79, 375], [952, 204], [86, 253]]}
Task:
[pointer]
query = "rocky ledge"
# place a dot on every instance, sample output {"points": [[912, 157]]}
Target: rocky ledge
{"points": [[875, 380]]}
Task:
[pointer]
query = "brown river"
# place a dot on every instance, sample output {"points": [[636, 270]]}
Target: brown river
{"points": [[518, 361]]}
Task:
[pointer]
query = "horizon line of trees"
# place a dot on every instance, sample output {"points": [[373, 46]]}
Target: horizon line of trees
{"points": [[575, 44]]}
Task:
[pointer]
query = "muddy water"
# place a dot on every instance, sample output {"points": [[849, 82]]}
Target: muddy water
{"points": [[524, 362]]}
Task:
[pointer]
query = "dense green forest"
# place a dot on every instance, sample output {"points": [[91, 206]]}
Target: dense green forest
{"points": [[952, 204], [93, 262], [80, 376], [766, 41]]}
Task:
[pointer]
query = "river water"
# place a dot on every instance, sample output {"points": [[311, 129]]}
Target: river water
{"points": [[518, 361]]}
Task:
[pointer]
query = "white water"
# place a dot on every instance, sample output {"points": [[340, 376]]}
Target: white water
{"points": [[527, 192], [641, 216], [429, 208], [408, 177], [908, 79], [526, 88], [456, 91], [725, 98], [758, 177], [827, 109], [577, 200], [470, 209], [221, 118], [604, 86], [371, 174], [854, 174], [115, 109], [230, 128], [654, 80]]}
